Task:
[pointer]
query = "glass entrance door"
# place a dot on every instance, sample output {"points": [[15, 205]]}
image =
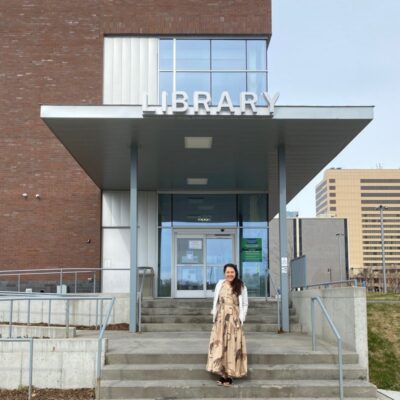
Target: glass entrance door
{"points": [[200, 259]]}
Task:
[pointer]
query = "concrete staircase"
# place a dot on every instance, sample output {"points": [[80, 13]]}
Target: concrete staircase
{"points": [[166, 364], [190, 315]]}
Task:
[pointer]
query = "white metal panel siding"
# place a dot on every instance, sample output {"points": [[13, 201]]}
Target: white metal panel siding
{"points": [[147, 234], [116, 236], [116, 254], [130, 70], [116, 209]]}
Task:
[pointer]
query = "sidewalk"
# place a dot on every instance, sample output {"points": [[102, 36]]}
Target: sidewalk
{"points": [[388, 395]]}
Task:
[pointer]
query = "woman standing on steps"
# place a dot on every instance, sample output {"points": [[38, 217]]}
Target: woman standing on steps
{"points": [[227, 354]]}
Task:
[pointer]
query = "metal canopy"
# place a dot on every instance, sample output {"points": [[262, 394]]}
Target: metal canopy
{"points": [[243, 156]]}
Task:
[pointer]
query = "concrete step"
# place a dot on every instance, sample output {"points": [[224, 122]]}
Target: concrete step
{"points": [[205, 311], [199, 319], [258, 372], [152, 303], [270, 398], [179, 389], [202, 327], [298, 358]]}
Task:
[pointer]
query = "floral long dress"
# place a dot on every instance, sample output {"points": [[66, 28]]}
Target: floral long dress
{"points": [[227, 354]]}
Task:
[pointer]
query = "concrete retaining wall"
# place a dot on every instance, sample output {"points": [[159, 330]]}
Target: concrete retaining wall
{"points": [[348, 309], [49, 332], [57, 363]]}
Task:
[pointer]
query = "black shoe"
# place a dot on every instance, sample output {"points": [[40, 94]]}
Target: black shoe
{"points": [[228, 382], [221, 381]]}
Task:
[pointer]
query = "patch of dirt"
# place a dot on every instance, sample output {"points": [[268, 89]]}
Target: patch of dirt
{"points": [[48, 394], [110, 327]]}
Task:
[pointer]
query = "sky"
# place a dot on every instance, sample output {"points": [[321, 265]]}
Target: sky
{"points": [[340, 52]]}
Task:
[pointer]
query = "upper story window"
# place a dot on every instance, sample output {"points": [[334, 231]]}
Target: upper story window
{"points": [[214, 66]]}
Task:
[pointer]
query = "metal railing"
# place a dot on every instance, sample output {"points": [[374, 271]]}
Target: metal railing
{"points": [[51, 297], [336, 333], [30, 341], [140, 295], [278, 295], [352, 282], [61, 272]]}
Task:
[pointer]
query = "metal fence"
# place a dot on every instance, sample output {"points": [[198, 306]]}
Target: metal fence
{"points": [[339, 339], [101, 322]]}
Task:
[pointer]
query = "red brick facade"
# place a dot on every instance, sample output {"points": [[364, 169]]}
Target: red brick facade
{"points": [[51, 53]]}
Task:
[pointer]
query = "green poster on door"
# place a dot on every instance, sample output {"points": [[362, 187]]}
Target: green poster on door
{"points": [[251, 250]]}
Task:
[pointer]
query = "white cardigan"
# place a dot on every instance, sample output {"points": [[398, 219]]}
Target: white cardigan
{"points": [[243, 302]]}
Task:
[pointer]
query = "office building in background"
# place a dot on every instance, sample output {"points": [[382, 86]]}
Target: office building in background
{"points": [[357, 194]]}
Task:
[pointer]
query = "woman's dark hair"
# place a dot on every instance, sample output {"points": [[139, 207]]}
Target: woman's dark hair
{"points": [[237, 284]]}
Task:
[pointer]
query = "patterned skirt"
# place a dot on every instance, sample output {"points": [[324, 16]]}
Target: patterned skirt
{"points": [[227, 353]]}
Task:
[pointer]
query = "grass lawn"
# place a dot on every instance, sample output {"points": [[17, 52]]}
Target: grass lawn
{"points": [[384, 341], [382, 296], [48, 394]]}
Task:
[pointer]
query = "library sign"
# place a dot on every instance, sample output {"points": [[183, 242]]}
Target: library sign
{"points": [[200, 104]]}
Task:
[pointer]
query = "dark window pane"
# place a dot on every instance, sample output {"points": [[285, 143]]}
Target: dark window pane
{"points": [[232, 82], [192, 81], [166, 82], [204, 210], [165, 210], [166, 54], [257, 83], [228, 54], [253, 210], [192, 54], [256, 55]]}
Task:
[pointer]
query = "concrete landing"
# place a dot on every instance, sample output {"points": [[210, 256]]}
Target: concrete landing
{"points": [[197, 342]]}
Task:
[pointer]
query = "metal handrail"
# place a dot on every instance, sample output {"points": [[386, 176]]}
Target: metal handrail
{"points": [[100, 348], [336, 333], [61, 271], [50, 297], [140, 295], [30, 340], [278, 293], [330, 283], [67, 298]]}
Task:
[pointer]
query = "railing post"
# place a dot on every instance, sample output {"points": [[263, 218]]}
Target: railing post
{"points": [[29, 312], [49, 317], [140, 313], [94, 282], [19, 282], [61, 280], [76, 280], [313, 322], [340, 362], [101, 313], [10, 319], [67, 318], [97, 312], [30, 368]]}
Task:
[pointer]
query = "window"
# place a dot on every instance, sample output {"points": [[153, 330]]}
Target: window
{"points": [[380, 180], [228, 55], [213, 65]]}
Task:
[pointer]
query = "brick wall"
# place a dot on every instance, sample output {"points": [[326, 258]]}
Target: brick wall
{"points": [[51, 53]]}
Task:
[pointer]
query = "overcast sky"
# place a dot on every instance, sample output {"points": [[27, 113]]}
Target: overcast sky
{"points": [[340, 52]]}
